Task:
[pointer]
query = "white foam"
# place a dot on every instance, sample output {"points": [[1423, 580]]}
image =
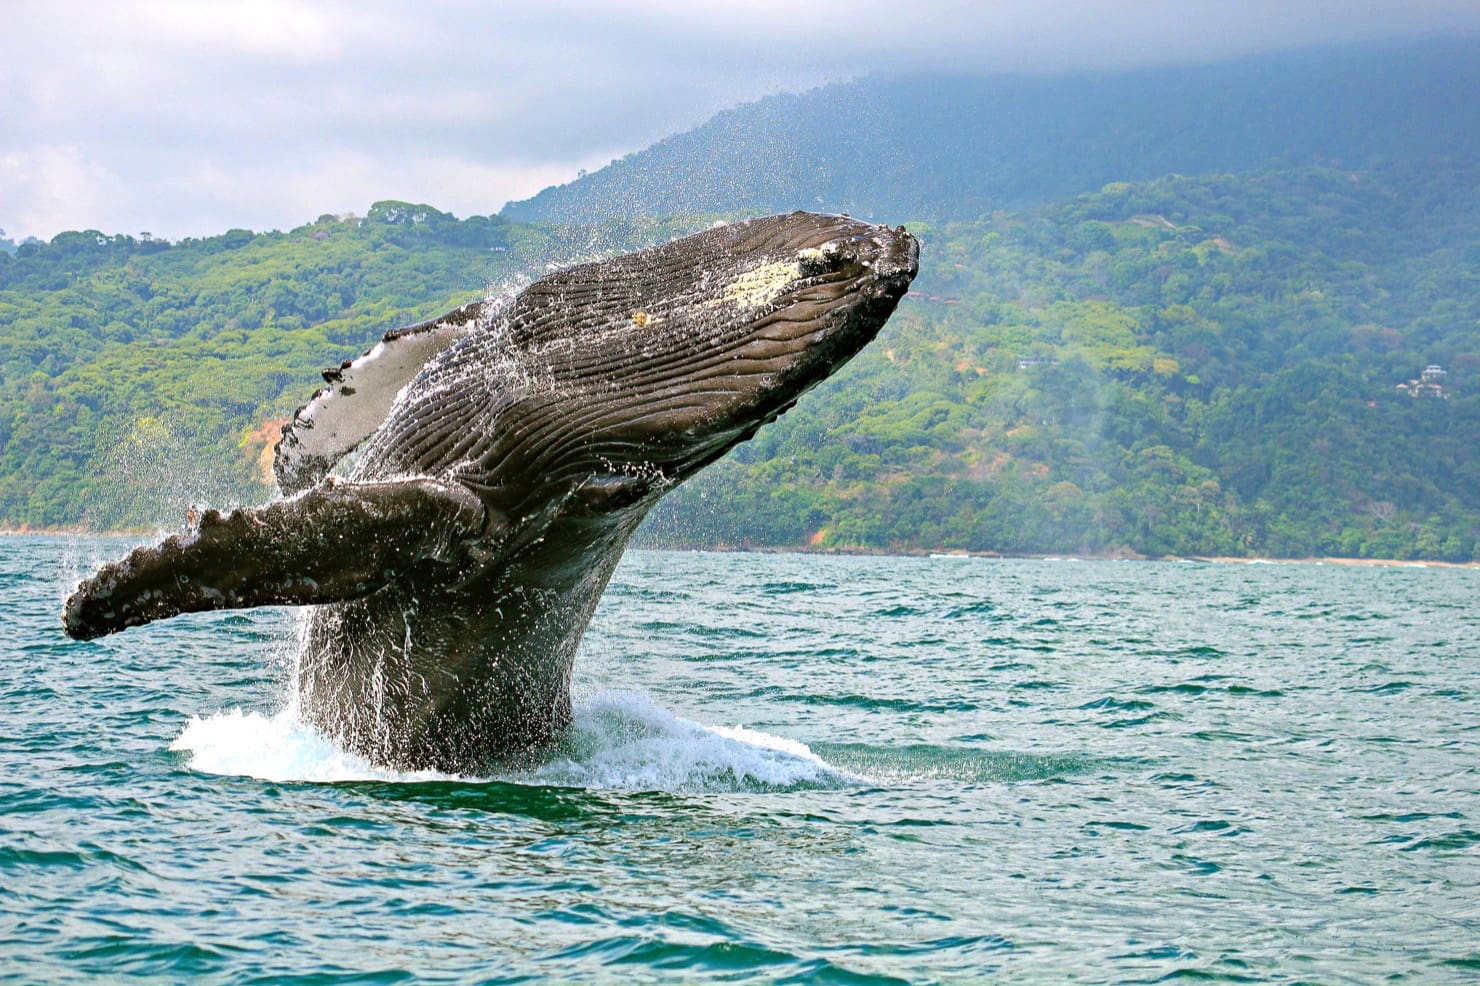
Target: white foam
{"points": [[618, 741], [275, 748], [621, 740]]}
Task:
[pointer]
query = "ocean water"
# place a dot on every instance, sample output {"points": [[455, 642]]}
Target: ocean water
{"points": [[783, 769]]}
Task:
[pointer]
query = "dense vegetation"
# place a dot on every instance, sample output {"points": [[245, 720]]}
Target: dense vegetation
{"points": [[1173, 311], [1186, 366], [134, 372], [1183, 366]]}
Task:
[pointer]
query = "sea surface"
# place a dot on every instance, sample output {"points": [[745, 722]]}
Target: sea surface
{"points": [[784, 768]]}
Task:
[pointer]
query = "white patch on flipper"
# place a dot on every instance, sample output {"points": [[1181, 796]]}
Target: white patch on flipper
{"points": [[361, 393]]}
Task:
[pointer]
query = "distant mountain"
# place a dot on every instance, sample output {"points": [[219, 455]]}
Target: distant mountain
{"points": [[943, 147]]}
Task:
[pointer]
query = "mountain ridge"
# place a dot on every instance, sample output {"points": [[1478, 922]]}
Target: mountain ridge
{"points": [[934, 147]]}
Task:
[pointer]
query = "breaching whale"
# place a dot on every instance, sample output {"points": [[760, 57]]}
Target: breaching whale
{"points": [[489, 467]]}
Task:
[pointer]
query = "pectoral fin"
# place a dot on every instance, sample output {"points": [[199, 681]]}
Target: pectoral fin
{"points": [[335, 542], [359, 394]]}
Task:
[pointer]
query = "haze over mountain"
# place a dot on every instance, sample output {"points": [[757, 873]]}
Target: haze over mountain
{"points": [[932, 147]]}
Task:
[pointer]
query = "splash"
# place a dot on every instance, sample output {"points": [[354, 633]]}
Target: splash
{"points": [[155, 470], [621, 740], [618, 741], [276, 748]]}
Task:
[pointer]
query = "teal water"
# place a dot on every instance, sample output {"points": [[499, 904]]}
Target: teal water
{"points": [[784, 769]]}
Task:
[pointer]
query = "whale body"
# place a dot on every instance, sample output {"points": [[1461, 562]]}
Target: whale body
{"points": [[456, 499]]}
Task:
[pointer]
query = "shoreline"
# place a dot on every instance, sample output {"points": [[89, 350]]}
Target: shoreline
{"points": [[1066, 556], [1357, 562], [65, 532]]}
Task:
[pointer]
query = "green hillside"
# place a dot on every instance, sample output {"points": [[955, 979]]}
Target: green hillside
{"points": [[133, 373], [1187, 365]]}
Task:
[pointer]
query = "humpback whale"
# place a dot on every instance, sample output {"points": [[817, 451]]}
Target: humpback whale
{"points": [[456, 499]]}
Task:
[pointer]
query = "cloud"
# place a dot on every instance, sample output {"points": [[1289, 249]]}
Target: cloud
{"points": [[186, 118], [54, 188], [270, 29]]}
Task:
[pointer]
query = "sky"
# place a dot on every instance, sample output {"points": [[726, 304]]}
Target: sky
{"points": [[190, 117]]}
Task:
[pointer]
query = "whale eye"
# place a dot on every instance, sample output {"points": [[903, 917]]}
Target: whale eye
{"points": [[834, 255], [812, 261]]}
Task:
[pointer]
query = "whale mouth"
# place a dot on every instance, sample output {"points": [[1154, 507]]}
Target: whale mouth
{"points": [[688, 362], [759, 313]]}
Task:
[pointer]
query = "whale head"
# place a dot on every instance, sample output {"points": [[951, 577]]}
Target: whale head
{"points": [[764, 312]]}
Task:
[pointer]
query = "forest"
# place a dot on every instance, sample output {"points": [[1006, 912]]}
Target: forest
{"points": [[1191, 366], [134, 373]]}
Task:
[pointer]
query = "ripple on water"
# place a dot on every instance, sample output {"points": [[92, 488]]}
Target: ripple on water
{"points": [[783, 769]]}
